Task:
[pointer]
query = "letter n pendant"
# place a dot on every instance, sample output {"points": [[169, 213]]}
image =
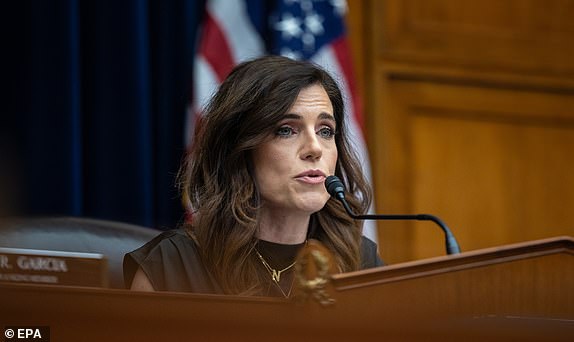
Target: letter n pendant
{"points": [[276, 276]]}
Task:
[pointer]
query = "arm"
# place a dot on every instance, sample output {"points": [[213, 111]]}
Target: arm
{"points": [[141, 282]]}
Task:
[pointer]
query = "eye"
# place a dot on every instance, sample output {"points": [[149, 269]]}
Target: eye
{"points": [[284, 131], [326, 132]]}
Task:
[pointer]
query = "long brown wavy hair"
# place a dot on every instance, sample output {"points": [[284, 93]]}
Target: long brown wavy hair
{"points": [[218, 183]]}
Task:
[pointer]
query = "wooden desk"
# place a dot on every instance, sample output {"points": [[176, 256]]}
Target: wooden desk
{"points": [[519, 292]]}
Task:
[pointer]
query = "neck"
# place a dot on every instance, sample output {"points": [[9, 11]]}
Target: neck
{"points": [[281, 227]]}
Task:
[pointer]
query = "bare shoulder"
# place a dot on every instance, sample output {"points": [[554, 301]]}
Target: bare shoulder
{"points": [[141, 282]]}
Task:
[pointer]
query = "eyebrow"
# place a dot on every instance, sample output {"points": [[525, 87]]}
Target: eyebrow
{"points": [[322, 116]]}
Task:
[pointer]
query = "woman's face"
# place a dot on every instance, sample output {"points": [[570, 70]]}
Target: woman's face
{"points": [[291, 167]]}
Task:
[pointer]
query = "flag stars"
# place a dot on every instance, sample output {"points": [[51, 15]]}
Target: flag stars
{"points": [[306, 5], [314, 23], [287, 52], [308, 41], [289, 26], [340, 6], [300, 25]]}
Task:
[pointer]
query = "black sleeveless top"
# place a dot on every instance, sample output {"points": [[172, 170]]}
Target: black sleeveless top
{"points": [[172, 262]]}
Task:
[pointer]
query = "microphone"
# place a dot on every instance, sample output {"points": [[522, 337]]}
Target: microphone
{"points": [[336, 189]]}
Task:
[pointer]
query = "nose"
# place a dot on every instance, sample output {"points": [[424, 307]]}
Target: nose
{"points": [[311, 148]]}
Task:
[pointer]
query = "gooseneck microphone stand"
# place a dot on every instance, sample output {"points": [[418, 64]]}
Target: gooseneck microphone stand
{"points": [[336, 189]]}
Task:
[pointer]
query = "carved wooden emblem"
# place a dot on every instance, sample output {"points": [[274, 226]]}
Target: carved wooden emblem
{"points": [[313, 274]]}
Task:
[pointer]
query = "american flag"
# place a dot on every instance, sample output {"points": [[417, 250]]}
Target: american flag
{"points": [[236, 30]]}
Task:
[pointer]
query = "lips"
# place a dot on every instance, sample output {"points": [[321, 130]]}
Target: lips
{"points": [[311, 177]]}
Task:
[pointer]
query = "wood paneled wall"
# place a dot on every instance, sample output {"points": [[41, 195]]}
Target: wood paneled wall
{"points": [[470, 112]]}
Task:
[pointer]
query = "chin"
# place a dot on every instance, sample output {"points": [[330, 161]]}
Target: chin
{"points": [[313, 206]]}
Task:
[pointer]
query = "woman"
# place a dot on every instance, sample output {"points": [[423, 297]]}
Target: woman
{"points": [[254, 182]]}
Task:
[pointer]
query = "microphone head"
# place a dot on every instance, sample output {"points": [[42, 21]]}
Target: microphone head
{"points": [[334, 186]]}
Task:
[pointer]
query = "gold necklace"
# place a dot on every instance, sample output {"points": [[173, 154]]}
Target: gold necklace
{"points": [[276, 274]]}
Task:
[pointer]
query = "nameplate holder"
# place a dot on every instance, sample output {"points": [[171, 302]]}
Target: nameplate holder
{"points": [[32, 266]]}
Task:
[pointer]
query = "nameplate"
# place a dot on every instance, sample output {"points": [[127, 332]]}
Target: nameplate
{"points": [[19, 265]]}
